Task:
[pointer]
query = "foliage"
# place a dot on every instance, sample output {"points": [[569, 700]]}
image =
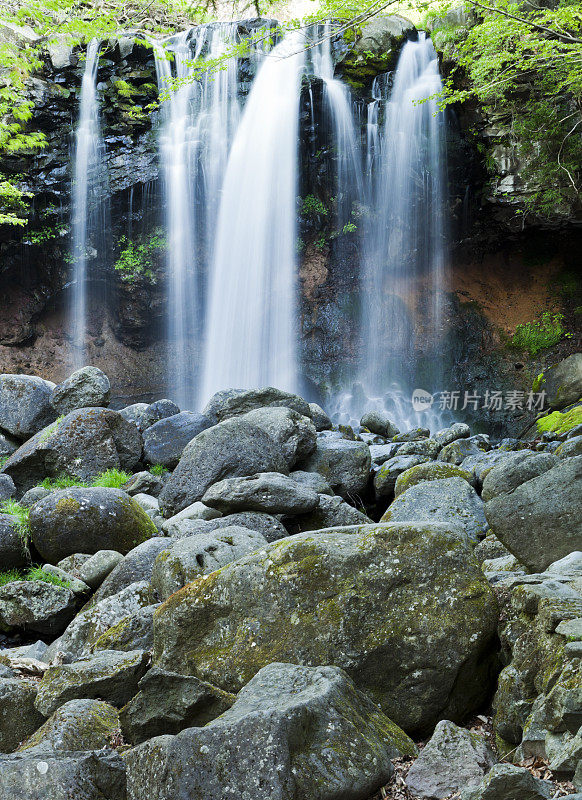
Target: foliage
{"points": [[137, 259], [535, 336], [559, 423], [111, 479], [158, 469], [60, 482], [20, 513], [35, 573], [312, 205], [9, 576]]}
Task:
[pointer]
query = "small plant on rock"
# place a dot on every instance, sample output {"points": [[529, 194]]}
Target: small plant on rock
{"points": [[111, 479], [37, 573], [535, 336], [21, 516], [159, 470]]}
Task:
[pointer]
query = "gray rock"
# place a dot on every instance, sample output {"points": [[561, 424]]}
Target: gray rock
{"points": [[294, 433], [8, 445], [377, 422], [90, 775], [25, 406], [178, 524], [506, 782], [109, 675], [76, 725], [451, 500], [460, 449], [159, 409], [35, 650], [453, 759], [73, 563], [134, 414], [429, 471], [36, 606], [143, 483], [72, 520], [563, 383], [150, 505], [423, 447], [18, 715], [13, 549], [133, 632], [6, 672], [82, 445], [550, 503], [380, 453], [77, 586], [480, 465], [165, 440], [167, 703], [234, 402], [320, 419], [383, 34], [269, 492], [344, 464], [569, 565], [86, 388], [386, 477], [7, 487], [411, 600], [233, 448], [33, 495], [97, 567], [571, 447], [413, 435], [265, 524], [60, 50], [313, 480], [490, 547], [136, 566], [188, 559], [331, 513], [258, 748], [512, 472], [457, 431]]}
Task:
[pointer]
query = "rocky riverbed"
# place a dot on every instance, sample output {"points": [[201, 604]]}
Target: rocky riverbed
{"points": [[250, 603]]}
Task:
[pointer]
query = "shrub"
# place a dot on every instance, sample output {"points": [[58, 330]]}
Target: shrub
{"points": [[111, 479], [158, 469], [535, 336], [21, 515]]}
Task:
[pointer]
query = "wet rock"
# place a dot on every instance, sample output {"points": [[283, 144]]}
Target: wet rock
{"points": [[269, 492], [343, 463], [562, 383], [258, 746], [379, 423], [319, 417], [234, 402], [18, 715], [36, 606], [13, 549], [386, 477], [429, 471], [97, 567], [165, 440], [25, 406], [76, 725], [133, 632], [87, 387], [294, 433], [506, 782]]}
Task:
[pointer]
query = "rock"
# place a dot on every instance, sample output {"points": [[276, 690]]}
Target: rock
{"points": [[453, 759], [82, 445], [460, 449], [404, 608], [33, 495], [512, 472], [7, 487], [72, 564], [76, 725], [265, 524], [457, 431], [60, 50], [319, 417], [294, 433], [84, 631], [167, 703], [77, 519], [134, 414], [429, 471], [450, 500], [134, 632], [344, 464], [233, 448], [258, 748], [312, 480], [330, 513], [36, 606], [423, 447], [6, 672], [523, 518], [109, 675], [188, 559], [86, 388], [269, 492], [90, 775], [160, 409], [97, 567], [177, 525], [490, 547], [234, 402], [136, 566], [414, 435], [25, 406], [380, 453], [562, 383], [386, 477], [8, 445], [506, 782], [571, 447], [151, 507], [13, 550], [18, 715], [77, 586], [377, 422], [36, 650], [165, 440], [143, 483]]}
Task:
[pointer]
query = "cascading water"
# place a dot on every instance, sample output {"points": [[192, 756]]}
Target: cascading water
{"points": [[405, 237], [88, 203], [251, 325], [199, 120]]}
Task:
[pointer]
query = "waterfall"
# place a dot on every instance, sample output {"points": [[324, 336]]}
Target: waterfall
{"points": [[252, 323], [199, 120], [88, 201], [405, 235]]}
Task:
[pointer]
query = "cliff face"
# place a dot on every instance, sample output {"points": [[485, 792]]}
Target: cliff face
{"points": [[500, 272]]}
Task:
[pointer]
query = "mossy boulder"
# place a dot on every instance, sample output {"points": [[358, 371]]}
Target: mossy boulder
{"points": [[88, 520], [506, 782], [560, 422], [25, 406], [344, 464], [76, 725], [563, 383], [429, 471], [133, 632], [88, 387], [293, 733], [234, 402], [404, 608], [293, 432], [18, 714], [36, 606]]}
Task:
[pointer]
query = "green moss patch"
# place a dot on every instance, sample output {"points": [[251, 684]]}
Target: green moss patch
{"points": [[559, 422]]}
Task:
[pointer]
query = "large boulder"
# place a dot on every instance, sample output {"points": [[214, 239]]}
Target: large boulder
{"points": [[331, 512], [511, 472], [269, 492], [88, 387], [188, 559], [562, 383], [293, 432], [234, 402], [13, 549], [450, 500], [379, 423], [18, 715], [405, 609], [136, 566], [233, 448], [386, 477], [344, 464], [168, 703], [88, 520], [429, 471], [25, 405], [76, 725], [259, 747], [506, 782], [539, 521], [82, 445], [36, 606], [165, 440]]}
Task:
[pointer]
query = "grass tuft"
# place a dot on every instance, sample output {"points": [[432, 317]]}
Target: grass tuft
{"points": [[111, 479], [159, 470]]}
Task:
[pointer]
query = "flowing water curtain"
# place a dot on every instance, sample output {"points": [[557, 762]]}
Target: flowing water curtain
{"points": [[251, 327], [89, 207]]}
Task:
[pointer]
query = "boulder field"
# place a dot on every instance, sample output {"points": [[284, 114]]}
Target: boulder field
{"points": [[252, 602]]}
